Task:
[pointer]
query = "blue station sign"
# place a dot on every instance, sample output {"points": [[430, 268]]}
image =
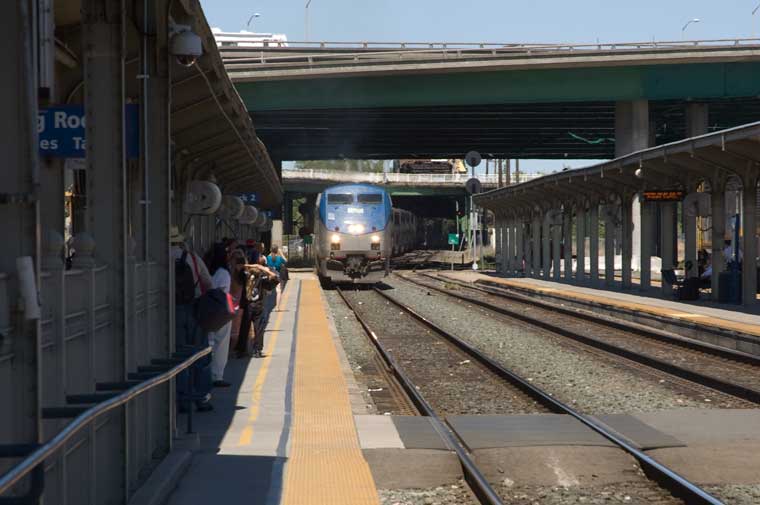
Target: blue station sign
{"points": [[61, 131]]}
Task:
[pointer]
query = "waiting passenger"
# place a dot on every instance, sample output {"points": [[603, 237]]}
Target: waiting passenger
{"points": [[192, 279], [220, 339], [276, 261]]}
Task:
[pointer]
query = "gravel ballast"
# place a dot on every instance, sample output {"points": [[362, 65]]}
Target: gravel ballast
{"points": [[455, 494], [586, 381]]}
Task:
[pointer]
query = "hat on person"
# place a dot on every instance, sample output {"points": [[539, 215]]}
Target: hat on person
{"points": [[175, 237], [250, 242]]}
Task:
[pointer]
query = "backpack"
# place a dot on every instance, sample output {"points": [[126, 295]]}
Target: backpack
{"points": [[214, 309], [184, 282]]}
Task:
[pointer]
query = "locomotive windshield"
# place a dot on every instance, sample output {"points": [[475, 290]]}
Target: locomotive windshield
{"points": [[340, 199], [375, 198]]}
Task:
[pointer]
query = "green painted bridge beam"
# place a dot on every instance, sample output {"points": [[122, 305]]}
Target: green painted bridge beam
{"points": [[652, 82]]}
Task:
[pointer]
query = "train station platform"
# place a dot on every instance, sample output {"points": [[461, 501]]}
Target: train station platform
{"points": [[721, 325], [290, 429]]}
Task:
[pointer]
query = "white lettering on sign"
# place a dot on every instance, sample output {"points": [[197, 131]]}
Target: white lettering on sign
{"points": [[355, 210], [79, 142], [48, 145], [61, 119]]}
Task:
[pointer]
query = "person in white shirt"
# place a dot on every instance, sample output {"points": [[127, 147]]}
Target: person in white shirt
{"points": [[220, 339]]}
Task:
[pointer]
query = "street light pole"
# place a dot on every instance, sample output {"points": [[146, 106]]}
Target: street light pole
{"points": [[306, 19], [683, 30], [255, 15]]}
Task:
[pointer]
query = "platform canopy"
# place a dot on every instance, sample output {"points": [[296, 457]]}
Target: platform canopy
{"points": [[211, 128], [729, 153]]}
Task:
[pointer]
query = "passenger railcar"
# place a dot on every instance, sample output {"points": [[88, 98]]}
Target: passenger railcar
{"points": [[353, 233]]}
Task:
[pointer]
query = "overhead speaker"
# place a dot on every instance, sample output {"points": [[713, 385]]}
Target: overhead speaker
{"points": [[232, 207], [249, 215], [202, 198], [260, 220]]}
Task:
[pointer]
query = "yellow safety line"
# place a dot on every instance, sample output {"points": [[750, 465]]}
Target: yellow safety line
{"points": [[246, 436], [325, 465]]}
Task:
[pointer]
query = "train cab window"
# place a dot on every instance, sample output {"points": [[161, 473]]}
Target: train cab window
{"points": [[340, 198], [372, 198]]}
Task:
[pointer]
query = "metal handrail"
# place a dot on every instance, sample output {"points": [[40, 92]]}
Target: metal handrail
{"points": [[291, 44], [393, 177], [40, 454], [463, 49]]}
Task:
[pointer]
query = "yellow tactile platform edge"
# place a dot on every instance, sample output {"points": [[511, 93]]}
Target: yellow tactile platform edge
{"points": [[702, 319], [325, 465]]}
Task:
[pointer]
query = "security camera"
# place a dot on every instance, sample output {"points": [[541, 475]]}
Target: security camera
{"points": [[186, 46]]}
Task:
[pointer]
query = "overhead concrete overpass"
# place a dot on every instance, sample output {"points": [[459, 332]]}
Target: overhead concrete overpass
{"points": [[592, 102]]}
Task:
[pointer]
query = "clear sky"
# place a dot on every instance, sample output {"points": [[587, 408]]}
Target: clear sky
{"points": [[499, 21]]}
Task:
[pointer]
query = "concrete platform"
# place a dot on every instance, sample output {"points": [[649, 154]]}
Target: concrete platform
{"points": [[246, 445], [728, 326], [706, 446]]}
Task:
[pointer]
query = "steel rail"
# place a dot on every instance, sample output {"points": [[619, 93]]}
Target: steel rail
{"points": [[477, 481], [40, 454], [730, 388], [678, 485]]}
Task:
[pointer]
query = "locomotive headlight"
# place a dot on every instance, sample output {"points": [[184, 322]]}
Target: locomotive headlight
{"points": [[335, 239], [355, 229], [375, 239]]}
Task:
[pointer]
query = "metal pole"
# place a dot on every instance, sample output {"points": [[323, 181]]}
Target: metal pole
{"points": [[306, 20]]}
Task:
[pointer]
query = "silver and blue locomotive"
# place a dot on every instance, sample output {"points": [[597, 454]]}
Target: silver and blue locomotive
{"points": [[353, 233]]}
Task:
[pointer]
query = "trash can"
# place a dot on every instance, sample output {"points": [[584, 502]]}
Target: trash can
{"points": [[730, 286]]}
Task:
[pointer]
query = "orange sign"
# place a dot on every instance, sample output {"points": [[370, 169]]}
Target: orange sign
{"points": [[675, 195]]}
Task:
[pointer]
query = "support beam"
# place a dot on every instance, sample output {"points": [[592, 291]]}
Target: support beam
{"points": [[718, 219], [690, 237], [556, 248], [647, 242], [546, 245], [749, 244], [593, 212], [627, 239], [535, 230], [609, 247], [668, 220], [567, 241], [580, 230]]}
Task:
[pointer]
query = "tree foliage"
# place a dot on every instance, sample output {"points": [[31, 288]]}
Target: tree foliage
{"points": [[341, 165]]}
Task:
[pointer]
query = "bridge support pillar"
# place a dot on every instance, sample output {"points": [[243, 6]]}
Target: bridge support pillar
{"points": [[593, 234], [697, 121], [633, 133], [580, 227]]}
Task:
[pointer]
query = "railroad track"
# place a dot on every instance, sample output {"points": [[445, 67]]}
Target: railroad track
{"points": [[696, 364], [541, 402]]}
